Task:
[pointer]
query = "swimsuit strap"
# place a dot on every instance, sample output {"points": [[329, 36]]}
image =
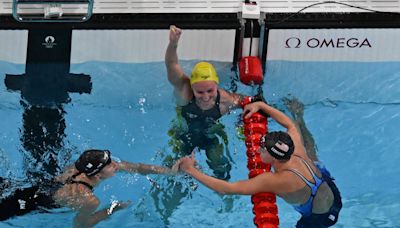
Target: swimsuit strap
{"points": [[309, 183], [318, 181], [217, 100], [71, 181], [306, 208]]}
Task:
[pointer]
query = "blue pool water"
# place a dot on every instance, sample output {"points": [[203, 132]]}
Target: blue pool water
{"points": [[352, 110]]}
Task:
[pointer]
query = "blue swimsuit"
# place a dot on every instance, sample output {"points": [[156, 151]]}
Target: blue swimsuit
{"points": [[306, 208], [308, 219]]}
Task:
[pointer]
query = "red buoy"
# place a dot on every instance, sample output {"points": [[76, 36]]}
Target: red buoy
{"points": [[250, 70]]}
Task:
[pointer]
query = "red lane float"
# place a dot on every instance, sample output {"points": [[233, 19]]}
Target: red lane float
{"points": [[264, 209], [264, 204]]}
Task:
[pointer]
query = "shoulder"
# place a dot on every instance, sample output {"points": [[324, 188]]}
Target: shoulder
{"points": [[276, 183], [224, 94], [77, 197], [286, 181], [228, 100], [227, 96], [183, 93], [183, 83], [67, 173]]}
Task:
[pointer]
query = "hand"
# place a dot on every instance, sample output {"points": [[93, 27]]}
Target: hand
{"points": [[251, 108], [174, 34], [175, 167], [294, 106], [123, 205], [187, 162], [116, 206]]}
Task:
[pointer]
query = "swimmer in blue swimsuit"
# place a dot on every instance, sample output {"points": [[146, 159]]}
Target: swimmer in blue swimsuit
{"points": [[73, 189], [309, 219], [296, 108], [295, 177]]}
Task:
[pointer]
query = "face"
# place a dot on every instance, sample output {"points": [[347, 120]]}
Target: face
{"points": [[109, 170], [265, 156], [205, 92]]}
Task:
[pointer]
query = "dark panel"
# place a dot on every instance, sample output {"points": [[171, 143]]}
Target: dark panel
{"points": [[333, 20], [52, 1], [47, 80]]}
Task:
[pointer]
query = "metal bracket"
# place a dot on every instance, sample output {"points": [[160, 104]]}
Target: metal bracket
{"points": [[52, 10]]}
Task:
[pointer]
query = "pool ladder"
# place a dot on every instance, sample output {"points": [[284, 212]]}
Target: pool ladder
{"points": [[52, 10]]}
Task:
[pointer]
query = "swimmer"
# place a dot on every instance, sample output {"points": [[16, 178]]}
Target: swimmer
{"points": [[74, 189], [308, 187]]}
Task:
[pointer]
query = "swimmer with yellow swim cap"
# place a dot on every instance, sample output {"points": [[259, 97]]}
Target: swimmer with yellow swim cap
{"points": [[201, 103], [202, 85]]}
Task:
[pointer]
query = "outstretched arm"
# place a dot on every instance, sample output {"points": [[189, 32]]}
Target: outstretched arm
{"points": [[266, 182], [146, 169], [230, 101]]}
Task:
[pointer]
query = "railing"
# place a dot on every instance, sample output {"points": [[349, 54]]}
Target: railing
{"points": [[52, 10]]}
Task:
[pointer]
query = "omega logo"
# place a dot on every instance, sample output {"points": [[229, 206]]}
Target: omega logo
{"points": [[295, 42]]}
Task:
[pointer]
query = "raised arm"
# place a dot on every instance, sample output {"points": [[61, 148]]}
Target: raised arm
{"points": [[296, 108], [176, 76], [278, 116], [146, 169]]}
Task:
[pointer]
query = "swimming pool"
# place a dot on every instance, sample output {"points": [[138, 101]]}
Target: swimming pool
{"points": [[129, 111]]}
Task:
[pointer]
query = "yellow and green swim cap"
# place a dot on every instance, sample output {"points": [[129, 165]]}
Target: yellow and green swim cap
{"points": [[204, 71]]}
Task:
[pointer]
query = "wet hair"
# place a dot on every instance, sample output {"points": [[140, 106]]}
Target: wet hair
{"points": [[279, 145], [92, 161]]}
